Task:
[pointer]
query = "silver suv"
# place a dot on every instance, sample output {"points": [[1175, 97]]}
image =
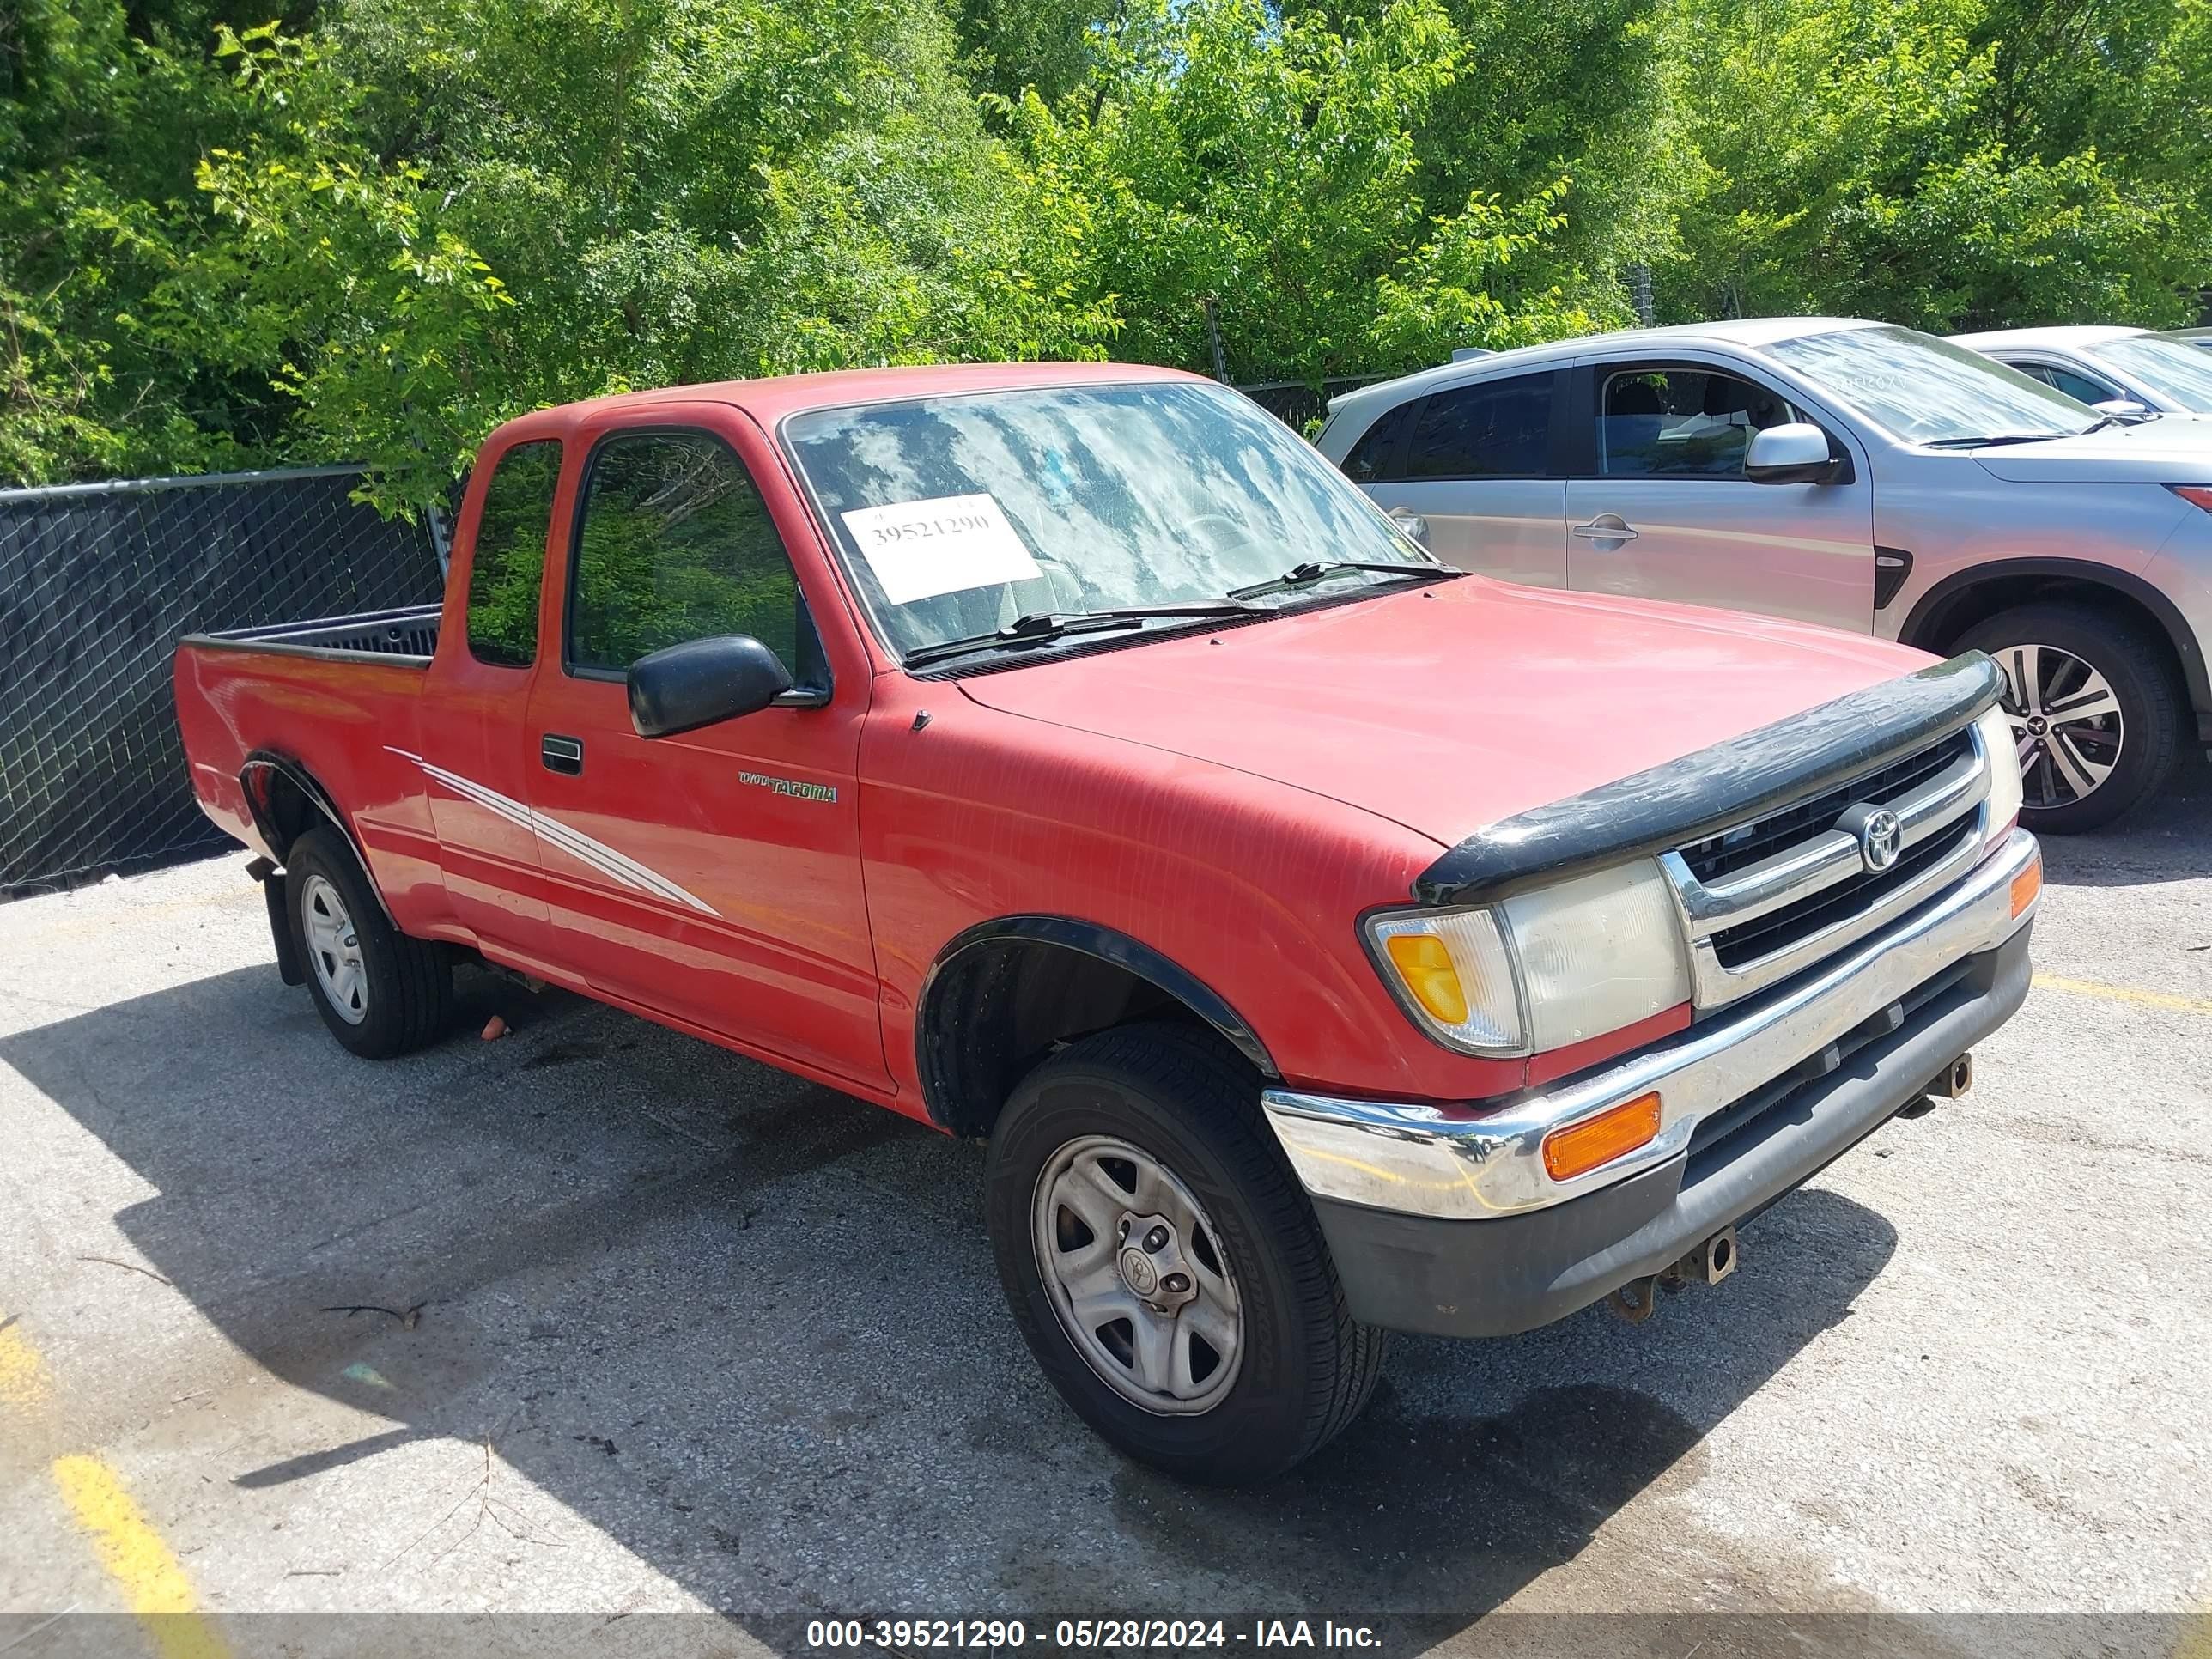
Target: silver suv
{"points": [[1845, 472], [2106, 365]]}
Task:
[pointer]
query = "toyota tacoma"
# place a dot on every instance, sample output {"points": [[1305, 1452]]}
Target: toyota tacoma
{"points": [[1327, 941]]}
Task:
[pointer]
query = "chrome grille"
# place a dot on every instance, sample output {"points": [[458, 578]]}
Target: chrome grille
{"points": [[1738, 946], [1769, 896], [1746, 845]]}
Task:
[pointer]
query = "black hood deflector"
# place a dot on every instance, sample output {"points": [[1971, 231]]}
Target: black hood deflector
{"points": [[1702, 794]]}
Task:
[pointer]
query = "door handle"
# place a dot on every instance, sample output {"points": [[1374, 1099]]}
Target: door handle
{"points": [[1606, 527], [560, 754]]}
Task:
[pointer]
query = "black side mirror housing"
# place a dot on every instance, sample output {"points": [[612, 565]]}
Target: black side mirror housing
{"points": [[703, 683]]}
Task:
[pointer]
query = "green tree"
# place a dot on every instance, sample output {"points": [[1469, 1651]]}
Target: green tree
{"points": [[1868, 158], [103, 112], [1270, 163]]}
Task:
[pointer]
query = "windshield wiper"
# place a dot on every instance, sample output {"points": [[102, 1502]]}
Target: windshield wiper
{"points": [[1306, 575], [1997, 438], [1042, 627], [2143, 419]]}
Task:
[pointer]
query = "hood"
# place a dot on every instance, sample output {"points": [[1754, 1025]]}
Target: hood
{"points": [[1449, 708], [2172, 449]]}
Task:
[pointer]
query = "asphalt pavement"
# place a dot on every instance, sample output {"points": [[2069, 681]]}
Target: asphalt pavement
{"points": [[638, 1327]]}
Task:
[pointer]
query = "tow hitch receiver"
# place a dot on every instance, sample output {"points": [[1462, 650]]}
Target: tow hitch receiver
{"points": [[1710, 1263], [1948, 1084]]}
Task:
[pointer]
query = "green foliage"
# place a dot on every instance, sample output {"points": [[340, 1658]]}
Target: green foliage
{"points": [[1887, 158], [1269, 164], [375, 231]]}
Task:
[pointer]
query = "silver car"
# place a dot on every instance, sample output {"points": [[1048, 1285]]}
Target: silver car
{"points": [[1844, 472], [2107, 365]]}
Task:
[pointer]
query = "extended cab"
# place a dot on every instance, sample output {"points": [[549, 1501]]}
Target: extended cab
{"points": [[1328, 941]]}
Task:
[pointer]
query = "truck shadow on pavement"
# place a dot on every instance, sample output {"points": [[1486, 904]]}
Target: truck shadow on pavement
{"points": [[750, 1331]]}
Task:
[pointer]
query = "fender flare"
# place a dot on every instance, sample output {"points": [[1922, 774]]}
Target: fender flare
{"points": [[270, 763], [2186, 649], [1108, 945]]}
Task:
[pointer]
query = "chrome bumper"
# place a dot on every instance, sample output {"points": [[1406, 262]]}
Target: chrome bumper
{"points": [[1462, 1163]]}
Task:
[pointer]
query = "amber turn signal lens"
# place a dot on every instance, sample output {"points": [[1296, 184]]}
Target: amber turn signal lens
{"points": [[1424, 962], [2026, 884], [1581, 1147]]}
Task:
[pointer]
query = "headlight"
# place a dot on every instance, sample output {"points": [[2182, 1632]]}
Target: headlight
{"points": [[1542, 970], [2001, 751]]}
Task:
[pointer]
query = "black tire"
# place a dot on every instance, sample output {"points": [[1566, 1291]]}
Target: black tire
{"points": [[1184, 1099], [406, 985], [2138, 667]]}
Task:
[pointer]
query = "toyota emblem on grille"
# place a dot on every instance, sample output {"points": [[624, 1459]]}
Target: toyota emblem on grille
{"points": [[1880, 836]]}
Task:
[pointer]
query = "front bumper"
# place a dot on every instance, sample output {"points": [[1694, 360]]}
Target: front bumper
{"points": [[1443, 1219]]}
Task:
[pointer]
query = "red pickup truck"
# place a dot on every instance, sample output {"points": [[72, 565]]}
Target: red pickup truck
{"points": [[1328, 941]]}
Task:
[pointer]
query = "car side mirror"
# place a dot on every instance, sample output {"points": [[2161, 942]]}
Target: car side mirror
{"points": [[1796, 452], [703, 682], [2123, 409], [1411, 525]]}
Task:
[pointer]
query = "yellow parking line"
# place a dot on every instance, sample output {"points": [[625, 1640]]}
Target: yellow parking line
{"points": [[2083, 988], [23, 1380], [151, 1577], [146, 1571]]}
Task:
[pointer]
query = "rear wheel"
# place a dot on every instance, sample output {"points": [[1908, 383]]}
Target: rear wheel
{"points": [[1163, 1264], [2095, 711], [379, 992]]}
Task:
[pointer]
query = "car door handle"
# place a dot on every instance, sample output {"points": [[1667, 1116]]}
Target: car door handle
{"points": [[1606, 527], [560, 754]]}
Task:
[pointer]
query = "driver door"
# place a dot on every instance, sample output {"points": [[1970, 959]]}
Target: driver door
{"points": [[712, 876], [1659, 505]]}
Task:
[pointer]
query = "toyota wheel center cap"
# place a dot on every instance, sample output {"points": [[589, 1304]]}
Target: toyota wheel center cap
{"points": [[1138, 1272]]}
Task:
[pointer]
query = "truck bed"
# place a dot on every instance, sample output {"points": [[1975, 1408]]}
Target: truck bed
{"points": [[384, 636]]}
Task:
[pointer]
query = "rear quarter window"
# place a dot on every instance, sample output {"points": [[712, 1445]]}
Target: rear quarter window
{"points": [[1368, 460], [507, 568], [1492, 429]]}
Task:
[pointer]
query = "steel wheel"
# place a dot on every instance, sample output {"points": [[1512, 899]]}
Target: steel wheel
{"points": [[1136, 1272], [2066, 720], [334, 950]]}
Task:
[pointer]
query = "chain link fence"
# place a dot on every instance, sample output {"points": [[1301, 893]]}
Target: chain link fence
{"points": [[97, 584], [1297, 404]]}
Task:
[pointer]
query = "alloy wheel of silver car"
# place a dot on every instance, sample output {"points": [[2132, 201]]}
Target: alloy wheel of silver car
{"points": [[2065, 719], [334, 950], [1136, 1273]]}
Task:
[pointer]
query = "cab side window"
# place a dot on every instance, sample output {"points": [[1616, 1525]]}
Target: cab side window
{"points": [[676, 545], [1681, 423], [507, 568]]}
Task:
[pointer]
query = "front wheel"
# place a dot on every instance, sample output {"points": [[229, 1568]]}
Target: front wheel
{"points": [[1163, 1264], [379, 992], [2094, 708]]}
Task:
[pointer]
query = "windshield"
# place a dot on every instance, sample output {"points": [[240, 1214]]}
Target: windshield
{"points": [[956, 515], [1924, 389], [2180, 375]]}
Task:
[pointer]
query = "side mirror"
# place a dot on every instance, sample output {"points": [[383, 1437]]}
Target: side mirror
{"points": [[1411, 525], [1794, 453], [2123, 409], [703, 682]]}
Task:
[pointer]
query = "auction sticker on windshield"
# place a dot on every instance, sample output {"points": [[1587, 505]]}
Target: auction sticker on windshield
{"points": [[918, 549]]}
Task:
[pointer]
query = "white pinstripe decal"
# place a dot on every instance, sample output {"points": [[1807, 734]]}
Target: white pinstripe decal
{"points": [[618, 867]]}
